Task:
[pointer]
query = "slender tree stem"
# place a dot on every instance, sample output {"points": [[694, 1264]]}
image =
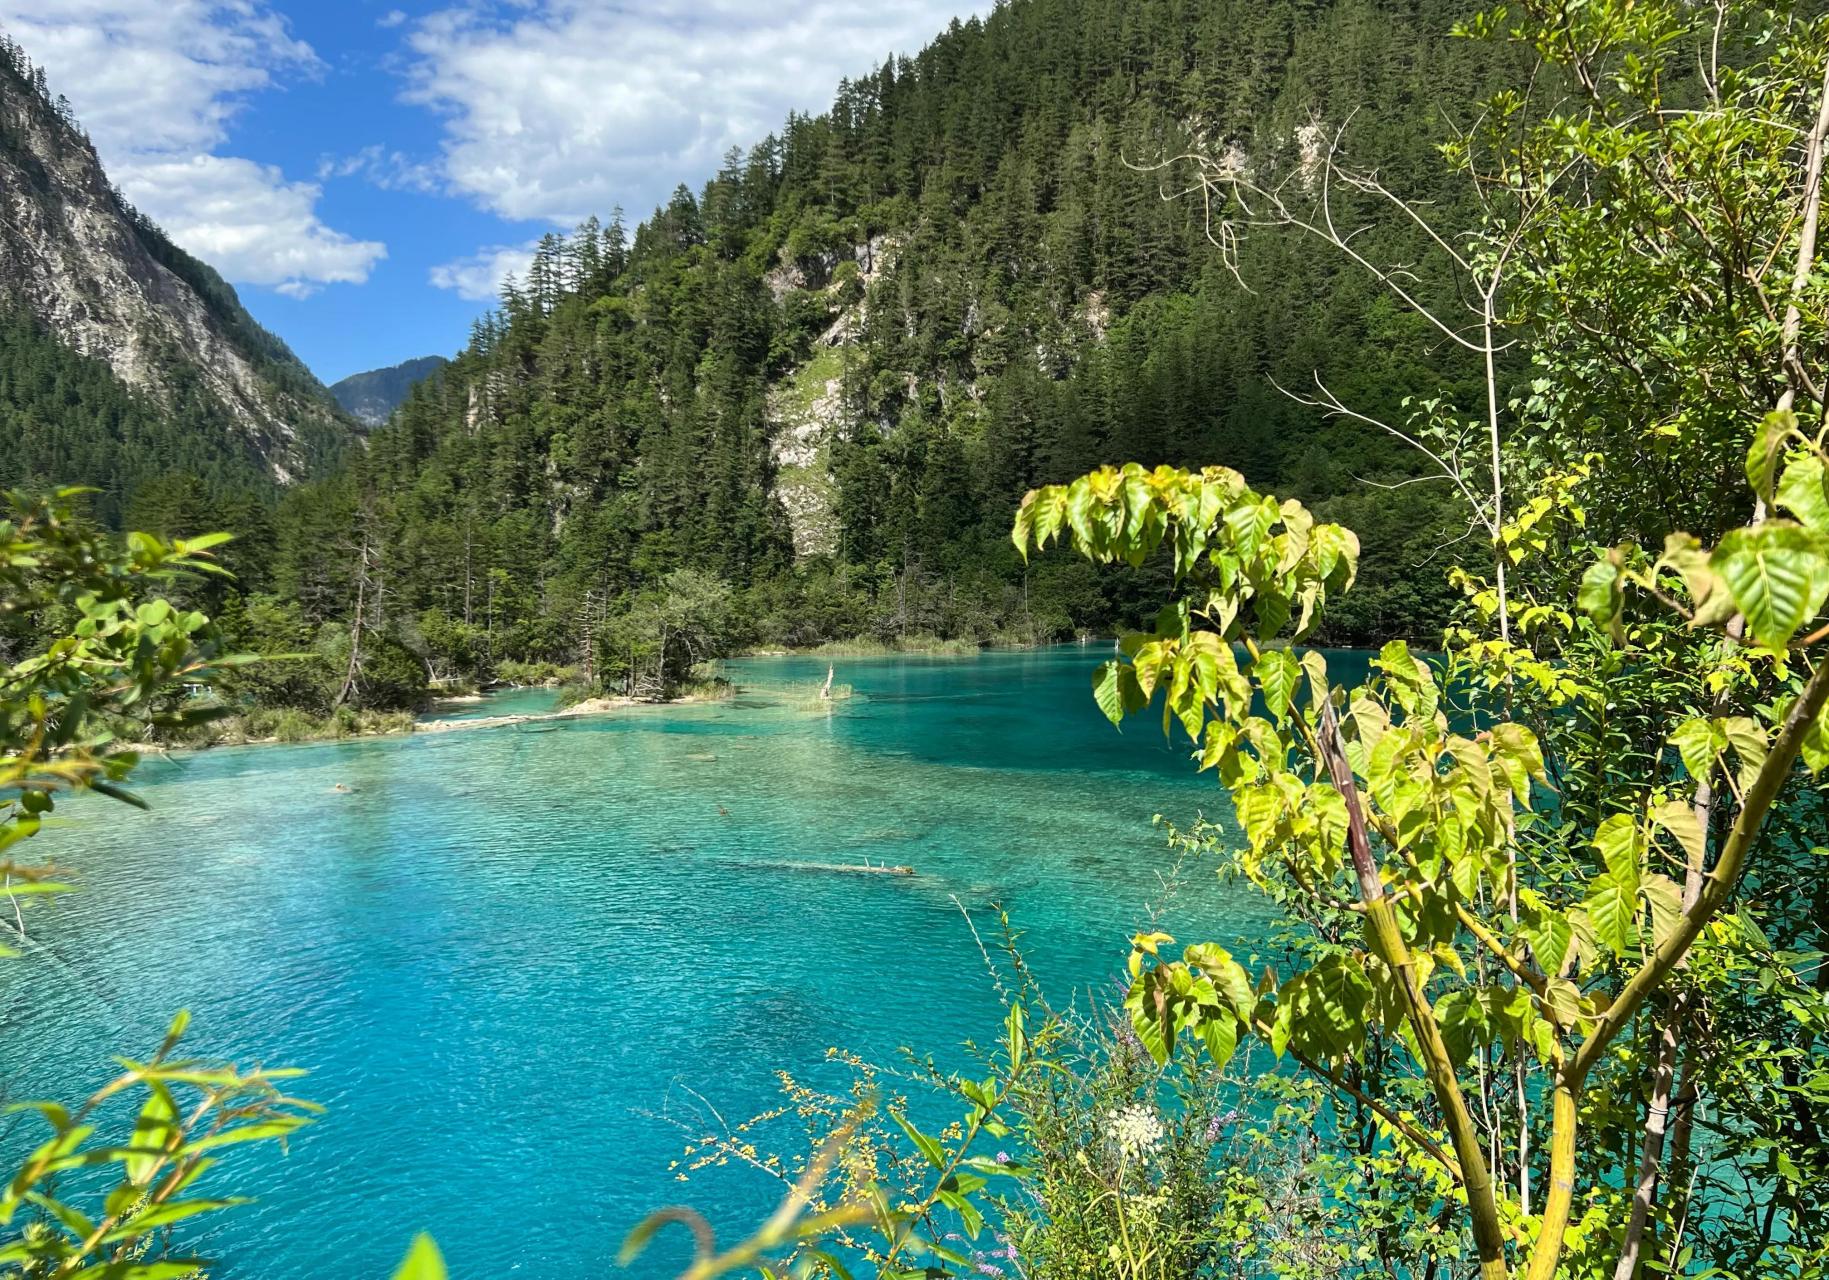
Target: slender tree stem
{"points": [[1560, 1193], [1387, 942]]}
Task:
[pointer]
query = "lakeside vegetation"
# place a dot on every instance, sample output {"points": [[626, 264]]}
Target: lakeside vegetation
{"points": [[1553, 908], [1553, 905]]}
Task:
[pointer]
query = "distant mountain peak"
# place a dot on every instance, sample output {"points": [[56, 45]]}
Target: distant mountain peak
{"points": [[371, 398]]}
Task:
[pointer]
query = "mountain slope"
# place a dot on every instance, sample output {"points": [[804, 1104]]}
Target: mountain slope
{"points": [[82, 270], [830, 375], [371, 398]]}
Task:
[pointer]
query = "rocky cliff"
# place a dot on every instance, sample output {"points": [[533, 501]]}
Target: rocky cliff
{"points": [[102, 280]]}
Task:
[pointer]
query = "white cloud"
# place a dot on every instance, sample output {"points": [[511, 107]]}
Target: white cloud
{"points": [[479, 276], [156, 83], [251, 224], [391, 19], [391, 170], [556, 109]]}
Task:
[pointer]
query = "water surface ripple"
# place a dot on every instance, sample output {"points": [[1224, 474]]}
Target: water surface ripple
{"points": [[506, 953]]}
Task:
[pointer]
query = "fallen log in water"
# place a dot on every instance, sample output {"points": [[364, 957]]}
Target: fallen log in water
{"points": [[837, 868]]}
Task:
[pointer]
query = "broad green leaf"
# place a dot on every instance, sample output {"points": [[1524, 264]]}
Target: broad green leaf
{"points": [[1115, 688], [1548, 931], [1219, 1033], [1804, 492], [1327, 1005], [1370, 719], [1261, 811], [1816, 744], [1699, 742], [1751, 746], [1613, 909], [1278, 675], [1712, 603], [1665, 897], [1562, 1002], [1516, 751], [1315, 664], [1462, 1018], [1768, 444], [1621, 843], [1778, 573], [1023, 529], [1228, 976], [1412, 683], [1599, 596], [1679, 819], [1280, 1026], [1148, 1017]]}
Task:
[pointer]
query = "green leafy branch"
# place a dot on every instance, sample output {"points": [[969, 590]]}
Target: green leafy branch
{"points": [[1374, 785], [192, 1110]]}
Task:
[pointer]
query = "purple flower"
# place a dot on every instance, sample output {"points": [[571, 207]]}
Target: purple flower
{"points": [[990, 1269], [1219, 1124], [1003, 1157]]}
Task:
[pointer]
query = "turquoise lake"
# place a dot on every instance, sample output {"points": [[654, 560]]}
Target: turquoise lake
{"points": [[512, 957]]}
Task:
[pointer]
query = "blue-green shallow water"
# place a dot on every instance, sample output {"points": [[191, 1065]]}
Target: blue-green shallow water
{"points": [[509, 948]]}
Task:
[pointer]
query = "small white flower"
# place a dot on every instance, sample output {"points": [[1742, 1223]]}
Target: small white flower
{"points": [[1134, 1130]]}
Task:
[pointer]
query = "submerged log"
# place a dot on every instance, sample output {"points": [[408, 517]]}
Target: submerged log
{"points": [[839, 868]]}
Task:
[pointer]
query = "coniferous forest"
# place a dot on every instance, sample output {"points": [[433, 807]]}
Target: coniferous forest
{"points": [[822, 381]]}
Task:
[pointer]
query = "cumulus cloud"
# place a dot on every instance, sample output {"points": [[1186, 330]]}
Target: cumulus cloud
{"points": [[156, 83], [480, 275], [556, 109], [251, 224]]}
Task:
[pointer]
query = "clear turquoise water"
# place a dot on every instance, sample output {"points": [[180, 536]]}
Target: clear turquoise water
{"points": [[510, 954]]}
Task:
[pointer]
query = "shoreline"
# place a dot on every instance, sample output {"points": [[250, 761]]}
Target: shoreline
{"points": [[581, 710]]}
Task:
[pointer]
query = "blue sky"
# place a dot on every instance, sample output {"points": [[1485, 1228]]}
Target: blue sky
{"points": [[366, 171]]}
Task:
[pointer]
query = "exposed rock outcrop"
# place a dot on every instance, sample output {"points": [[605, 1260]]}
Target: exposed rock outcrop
{"points": [[807, 410], [106, 282]]}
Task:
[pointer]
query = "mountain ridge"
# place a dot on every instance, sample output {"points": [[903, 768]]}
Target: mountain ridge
{"points": [[100, 279], [370, 397], [830, 374]]}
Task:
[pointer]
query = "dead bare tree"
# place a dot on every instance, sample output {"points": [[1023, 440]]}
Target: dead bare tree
{"points": [[368, 600]]}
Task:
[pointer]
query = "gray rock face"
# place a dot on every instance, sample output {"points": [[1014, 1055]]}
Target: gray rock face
{"points": [[807, 412], [371, 398], [103, 280]]}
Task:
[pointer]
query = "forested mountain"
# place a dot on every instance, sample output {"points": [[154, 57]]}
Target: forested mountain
{"points": [[824, 381], [371, 398], [123, 360], [829, 376]]}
